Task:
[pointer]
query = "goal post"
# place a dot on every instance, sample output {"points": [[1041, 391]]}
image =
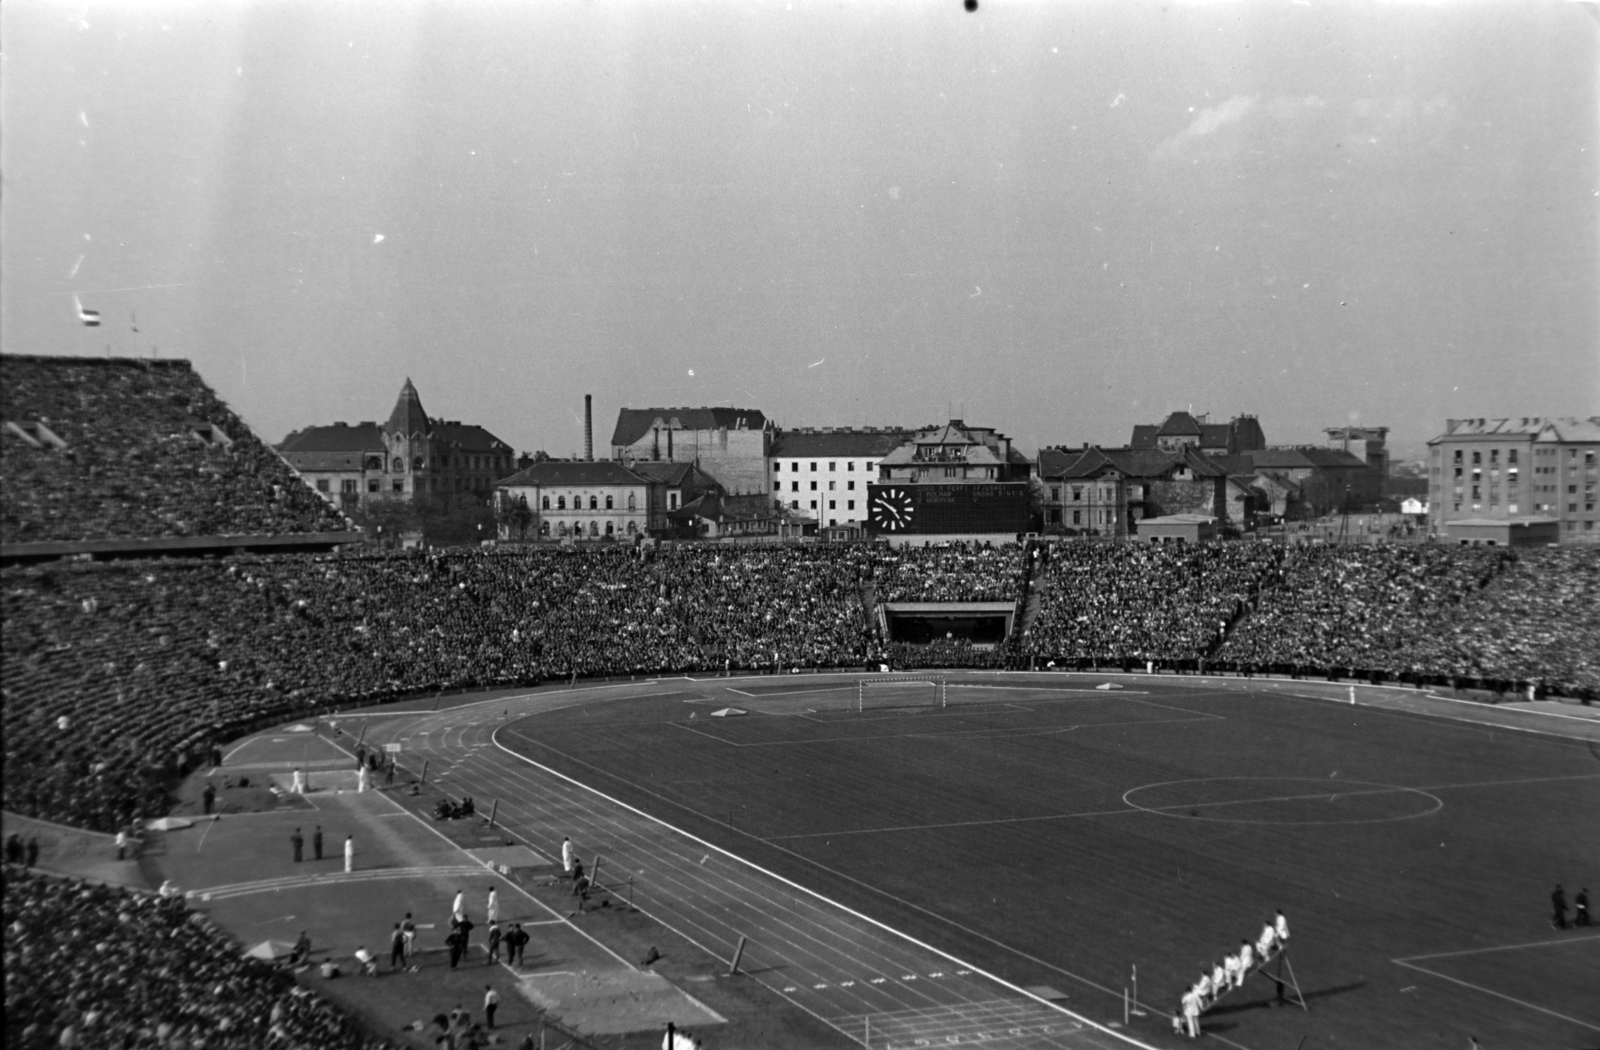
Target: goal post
{"points": [[900, 690]]}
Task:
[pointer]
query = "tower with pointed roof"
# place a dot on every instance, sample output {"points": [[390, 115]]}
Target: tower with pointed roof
{"points": [[408, 456]]}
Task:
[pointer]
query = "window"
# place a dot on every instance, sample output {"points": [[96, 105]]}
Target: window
{"points": [[795, 466], [813, 466], [832, 466], [1055, 493], [1077, 495], [610, 529], [1477, 457], [399, 464], [399, 486], [544, 528], [609, 503], [631, 500], [794, 486], [850, 504], [416, 463], [867, 468], [633, 526], [851, 485], [545, 503], [1511, 455], [1077, 516], [832, 485], [349, 485], [1494, 456], [813, 486], [594, 503], [561, 503], [322, 484], [1458, 455], [777, 486], [852, 466], [794, 504], [372, 486], [672, 500], [813, 504]]}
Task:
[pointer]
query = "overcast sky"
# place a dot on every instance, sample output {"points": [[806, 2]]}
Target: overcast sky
{"points": [[1054, 218]]}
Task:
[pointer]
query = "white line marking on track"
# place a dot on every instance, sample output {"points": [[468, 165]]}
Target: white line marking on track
{"points": [[1501, 948]]}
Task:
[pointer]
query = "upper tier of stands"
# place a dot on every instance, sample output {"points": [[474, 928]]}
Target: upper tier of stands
{"points": [[145, 449]]}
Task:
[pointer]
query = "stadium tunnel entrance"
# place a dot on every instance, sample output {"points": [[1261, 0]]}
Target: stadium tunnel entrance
{"points": [[919, 623]]}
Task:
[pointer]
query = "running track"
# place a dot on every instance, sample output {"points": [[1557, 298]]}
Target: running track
{"points": [[875, 986]]}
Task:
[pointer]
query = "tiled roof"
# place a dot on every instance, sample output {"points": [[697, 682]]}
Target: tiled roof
{"points": [[1524, 425], [635, 423], [813, 444], [340, 437], [1139, 463], [1179, 424], [408, 416], [467, 436], [1052, 461], [1304, 458], [573, 472], [1215, 435], [1144, 435]]}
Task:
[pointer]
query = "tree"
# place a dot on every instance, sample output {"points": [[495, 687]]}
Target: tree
{"points": [[385, 520]]}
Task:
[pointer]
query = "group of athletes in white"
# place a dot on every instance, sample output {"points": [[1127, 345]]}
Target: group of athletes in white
{"points": [[1229, 974]]}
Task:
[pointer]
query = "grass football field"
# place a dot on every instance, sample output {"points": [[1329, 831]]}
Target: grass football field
{"points": [[1059, 835]]}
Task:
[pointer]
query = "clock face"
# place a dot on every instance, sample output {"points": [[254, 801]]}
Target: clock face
{"points": [[892, 510]]}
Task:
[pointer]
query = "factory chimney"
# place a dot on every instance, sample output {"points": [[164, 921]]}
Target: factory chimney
{"points": [[588, 427]]}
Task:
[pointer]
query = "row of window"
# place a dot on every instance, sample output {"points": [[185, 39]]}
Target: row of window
{"points": [[443, 463], [594, 529], [352, 487], [594, 503], [794, 486], [833, 466], [833, 504]]}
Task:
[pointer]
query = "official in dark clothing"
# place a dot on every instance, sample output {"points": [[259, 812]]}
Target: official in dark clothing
{"points": [[397, 948], [208, 798], [316, 842], [299, 841], [454, 942], [1558, 907]]}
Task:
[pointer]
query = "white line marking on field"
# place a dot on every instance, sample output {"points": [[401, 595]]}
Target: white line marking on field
{"points": [[1491, 991], [1501, 948]]}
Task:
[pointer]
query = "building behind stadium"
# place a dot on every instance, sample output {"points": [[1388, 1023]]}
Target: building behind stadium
{"points": [[1535, 473]]}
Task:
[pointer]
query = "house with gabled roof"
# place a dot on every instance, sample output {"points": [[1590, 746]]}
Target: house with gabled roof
{"points": [[1107, 491]]}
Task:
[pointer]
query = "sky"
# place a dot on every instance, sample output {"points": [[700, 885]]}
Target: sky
{"points": [[1054, 218]]}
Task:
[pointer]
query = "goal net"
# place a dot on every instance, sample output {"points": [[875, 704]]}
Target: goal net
{"points": [[893, 690]]}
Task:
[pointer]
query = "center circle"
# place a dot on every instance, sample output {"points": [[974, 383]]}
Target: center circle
{"points": [[1282, 800]]}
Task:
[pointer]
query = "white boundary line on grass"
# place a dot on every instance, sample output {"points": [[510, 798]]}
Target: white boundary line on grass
{"points": [[495, 737], [1500, 948], [1491, 991]]}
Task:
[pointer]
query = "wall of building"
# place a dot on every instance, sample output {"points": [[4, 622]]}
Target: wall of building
{"points": [[831, 490]]}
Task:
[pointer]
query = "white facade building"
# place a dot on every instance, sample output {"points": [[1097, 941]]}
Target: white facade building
{"points": [[823, 472]]}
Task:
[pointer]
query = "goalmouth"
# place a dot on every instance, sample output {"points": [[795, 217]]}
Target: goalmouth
{"points": [[900, 690]]}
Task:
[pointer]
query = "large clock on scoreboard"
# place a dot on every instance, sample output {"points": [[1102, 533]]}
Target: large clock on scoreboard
{"points": [[892, 509], [948, 510]]}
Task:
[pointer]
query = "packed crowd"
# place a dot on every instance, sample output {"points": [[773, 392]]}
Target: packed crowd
{"points": [[114, 674], [1360, 608], [1111, 602], [949, 572], [149, 451], [89, 965]]}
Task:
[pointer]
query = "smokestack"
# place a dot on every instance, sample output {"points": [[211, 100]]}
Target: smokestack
{"points": [[588, 427]]}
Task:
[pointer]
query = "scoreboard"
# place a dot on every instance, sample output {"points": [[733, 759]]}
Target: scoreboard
{"points": [[901, 509]]}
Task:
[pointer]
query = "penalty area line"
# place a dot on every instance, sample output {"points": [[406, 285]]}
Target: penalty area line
{"points": [[1497, 995]]}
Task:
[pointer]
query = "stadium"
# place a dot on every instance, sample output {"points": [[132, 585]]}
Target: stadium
{"points": [[798, 825]]}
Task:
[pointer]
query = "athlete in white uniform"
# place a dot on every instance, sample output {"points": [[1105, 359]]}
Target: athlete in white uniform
{"points": [[1265, 942], [566, 856], [1191, 1013], [1230, 966], [1219, 980], [1281, 927], [1247, 960]]}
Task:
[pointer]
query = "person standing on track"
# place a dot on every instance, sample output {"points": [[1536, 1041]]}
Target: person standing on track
{"points": [[491, 911], [566, 856], [458, 909], [349, 853]]}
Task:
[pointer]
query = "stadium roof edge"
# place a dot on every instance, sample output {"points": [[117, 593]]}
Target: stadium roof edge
{"points": [[163, 546]]}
